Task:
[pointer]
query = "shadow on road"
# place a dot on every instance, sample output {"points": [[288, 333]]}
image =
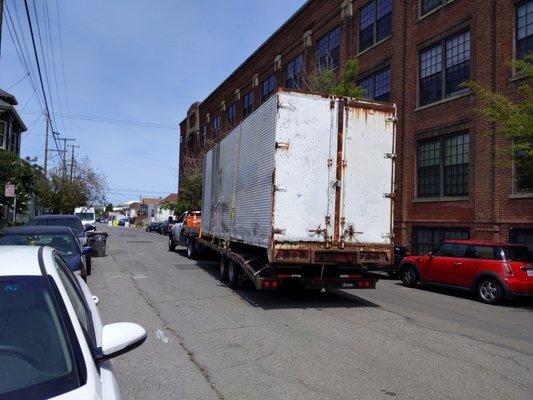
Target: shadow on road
{"points": [[285, 297], [515, 302]]}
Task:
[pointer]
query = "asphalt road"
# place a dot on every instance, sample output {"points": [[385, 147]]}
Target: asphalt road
{"points": [[206, 341]]}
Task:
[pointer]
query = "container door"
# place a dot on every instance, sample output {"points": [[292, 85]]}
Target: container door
{"points": [[304, 176], [367, 185]]}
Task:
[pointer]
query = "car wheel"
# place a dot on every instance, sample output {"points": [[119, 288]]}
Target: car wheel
{"points": [[489, 291], [223, 269], [171, 245], [409, 276], [191, 248], [89, 265], [234, 274]]}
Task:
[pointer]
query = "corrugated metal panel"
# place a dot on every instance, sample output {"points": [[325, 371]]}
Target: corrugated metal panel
{"points": [[369, 136], [207, 197], [305, 179], [241, 180], [256, 147]]}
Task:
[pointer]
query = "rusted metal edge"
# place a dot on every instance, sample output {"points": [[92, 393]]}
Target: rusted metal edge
{"points": [[339, 172]]}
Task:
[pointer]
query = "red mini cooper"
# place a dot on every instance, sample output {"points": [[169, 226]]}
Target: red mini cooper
{"points": [[491, 270]]}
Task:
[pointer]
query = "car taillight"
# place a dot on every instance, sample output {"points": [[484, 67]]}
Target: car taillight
{"points": [[507, 270]]}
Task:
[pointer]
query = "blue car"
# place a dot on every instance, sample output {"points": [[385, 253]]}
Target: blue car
{"points": [[61, 238]]}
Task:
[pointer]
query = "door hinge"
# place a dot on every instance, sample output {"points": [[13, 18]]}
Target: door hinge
{"points": [[280, 188], [282, 145], [280, 231], [391, 119], [392, 156], [389, 195]]}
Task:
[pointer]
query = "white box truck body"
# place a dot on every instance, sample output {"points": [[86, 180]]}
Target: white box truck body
{"points": [[308, 179]]}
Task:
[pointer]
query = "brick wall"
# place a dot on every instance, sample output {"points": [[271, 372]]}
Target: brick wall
{"points": [[490, 209]]}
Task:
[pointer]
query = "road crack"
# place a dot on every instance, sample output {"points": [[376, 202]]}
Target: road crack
{"points": [[190, 353]]}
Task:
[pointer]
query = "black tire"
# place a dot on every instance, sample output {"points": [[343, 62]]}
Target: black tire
{"points": [[83, 272], [489, 291], [234, 274], [89, 265], [223, 268], [409, 276], [171, 245], [191, 248]]}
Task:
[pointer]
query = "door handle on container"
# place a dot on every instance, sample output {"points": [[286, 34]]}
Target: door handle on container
{"points": [[457, 264]]}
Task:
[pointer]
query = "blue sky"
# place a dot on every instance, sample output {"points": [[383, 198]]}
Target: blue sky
{"points": [[133, 60]]}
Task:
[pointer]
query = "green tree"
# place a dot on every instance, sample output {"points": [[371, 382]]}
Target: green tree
{"points": [[345, 84], [61, 193], [20, 173], [514, 119], [109, 208], [190, 193]]}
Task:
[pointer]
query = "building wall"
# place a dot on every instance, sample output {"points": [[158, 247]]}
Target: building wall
{"points": [[491, 208]]}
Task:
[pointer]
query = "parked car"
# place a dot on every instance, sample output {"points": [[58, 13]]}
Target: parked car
{"points": [[159, 227], [72, 221], [61, 238], [167, 227], [152, 226], [54, 344], [400, 252], [491, 270]]}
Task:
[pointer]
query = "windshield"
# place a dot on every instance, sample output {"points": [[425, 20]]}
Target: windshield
{"points": [[86, 216], [36, 357], [65, 244], [75, 224], [516, 254]]}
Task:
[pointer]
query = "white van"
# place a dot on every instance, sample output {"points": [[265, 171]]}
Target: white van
{"points": [[86, 214]]}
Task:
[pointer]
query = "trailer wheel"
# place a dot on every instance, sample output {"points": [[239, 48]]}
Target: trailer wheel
{"points": [[223, 268], [234, 274], [191, 248]]}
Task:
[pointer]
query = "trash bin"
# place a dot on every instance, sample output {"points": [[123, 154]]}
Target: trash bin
{"points": [[98, 241]]}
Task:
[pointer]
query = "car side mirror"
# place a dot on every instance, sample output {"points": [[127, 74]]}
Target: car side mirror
{"points": [[431, 255], [120, 338], [87, 250]]}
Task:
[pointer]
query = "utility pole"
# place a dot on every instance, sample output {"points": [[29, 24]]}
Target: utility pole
{"points": [[45, 143], [1, 16], [64, 151], [72, 160]]}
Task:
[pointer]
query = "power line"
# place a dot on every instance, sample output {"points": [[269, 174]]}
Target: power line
{"points": [[49, 121], [17, 82], [114, 121]]}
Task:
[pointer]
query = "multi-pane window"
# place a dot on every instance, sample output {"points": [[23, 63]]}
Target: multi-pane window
{"points": [[377, 86], [247, 104], [426, 239], [444, 67], [523, 172], [3, 131], [216, 125], [524, 29], [375, 22], [522, 236], [203, 135], [293, 73], [232, 114], [429, 5], [443, 166], [268, 86], [328, 50]]}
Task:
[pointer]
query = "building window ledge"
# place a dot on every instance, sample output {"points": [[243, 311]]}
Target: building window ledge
{"points": [[446, 199], [373, 46], [463, 93], [517, 77], [421, 17], [525, 195]]}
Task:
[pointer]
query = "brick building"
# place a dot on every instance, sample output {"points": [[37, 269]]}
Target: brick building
{"points": [[453, 179]]}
